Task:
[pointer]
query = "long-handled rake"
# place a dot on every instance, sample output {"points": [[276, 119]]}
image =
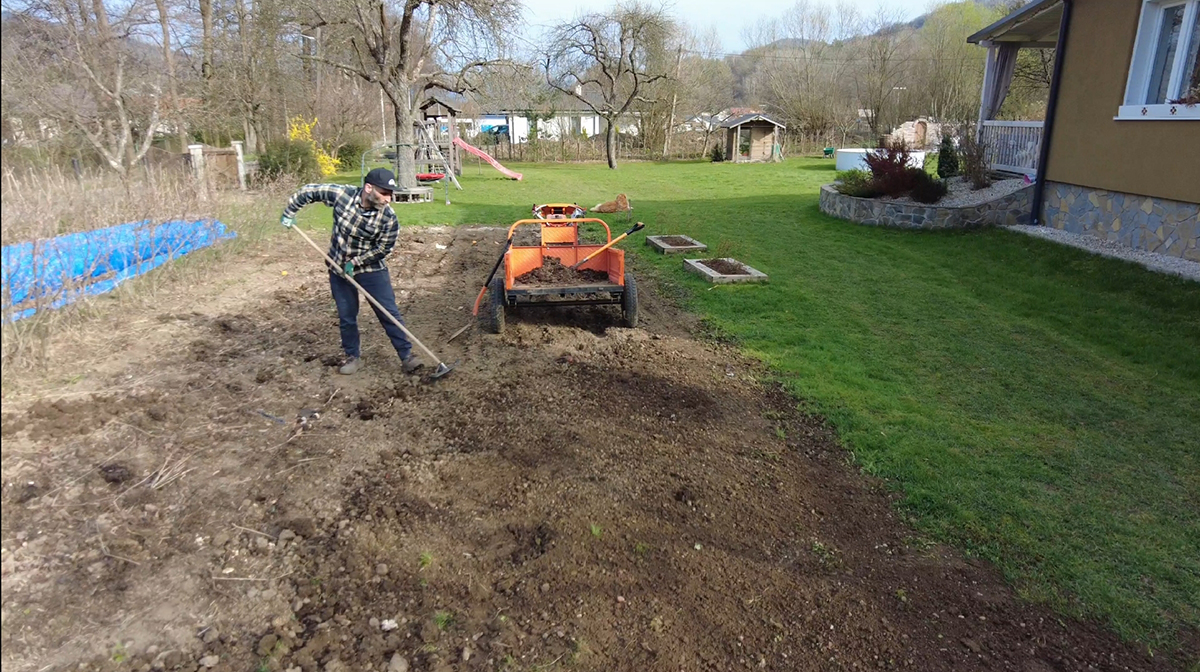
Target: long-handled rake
{"points": [[442, 367]]}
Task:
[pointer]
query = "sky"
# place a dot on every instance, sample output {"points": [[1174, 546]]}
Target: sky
{"points": [[730, 18]]}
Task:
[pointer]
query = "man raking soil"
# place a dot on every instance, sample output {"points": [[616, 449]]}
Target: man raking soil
{"points": [[365, 230]]}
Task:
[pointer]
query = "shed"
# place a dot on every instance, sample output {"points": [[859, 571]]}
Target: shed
{"points": [[753, 137]]}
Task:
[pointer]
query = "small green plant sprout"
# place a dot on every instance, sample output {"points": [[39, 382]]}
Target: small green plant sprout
{"points": [[641, 548], [119, 655], [443, 619], [902, 595], [425, 560], [596, 530], [827, 555], [780, 433]]}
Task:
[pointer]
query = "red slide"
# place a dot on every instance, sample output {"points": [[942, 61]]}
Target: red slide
{"points": [[487, 157]]}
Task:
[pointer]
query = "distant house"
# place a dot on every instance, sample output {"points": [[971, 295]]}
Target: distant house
{"points": [[516, 126], [752, 137], [1118, 155]]}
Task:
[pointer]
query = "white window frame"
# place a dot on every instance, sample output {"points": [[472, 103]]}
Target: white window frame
{"points": [[1138, 84]]}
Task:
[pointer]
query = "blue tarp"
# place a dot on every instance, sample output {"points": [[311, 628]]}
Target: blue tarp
{"points": [[55, 272]]}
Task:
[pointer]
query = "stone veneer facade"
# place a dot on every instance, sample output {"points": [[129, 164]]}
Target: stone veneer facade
{"points": [[1140, 222], [1007, 210]]}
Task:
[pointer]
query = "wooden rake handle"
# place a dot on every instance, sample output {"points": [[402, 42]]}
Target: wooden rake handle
{"points": [[416, 341], [637, 227]]}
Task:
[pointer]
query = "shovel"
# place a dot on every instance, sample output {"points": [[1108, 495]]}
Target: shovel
{"points": [[442, 368], [637, 227]]}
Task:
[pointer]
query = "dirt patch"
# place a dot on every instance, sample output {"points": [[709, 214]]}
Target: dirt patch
{"points": [[677, 241], [573, 496], [553, 272], [726, 267]]}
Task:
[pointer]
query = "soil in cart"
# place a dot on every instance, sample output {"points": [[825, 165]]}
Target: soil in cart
{"points": [[552, 272]]}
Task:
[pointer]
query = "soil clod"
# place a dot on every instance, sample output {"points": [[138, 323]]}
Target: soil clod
{"points": [[115, 473]]}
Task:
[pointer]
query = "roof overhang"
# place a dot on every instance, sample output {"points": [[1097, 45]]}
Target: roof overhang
{"points": [[1034, 26], [747, 118]]}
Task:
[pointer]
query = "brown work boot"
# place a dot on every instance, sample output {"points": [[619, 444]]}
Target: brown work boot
{"points": [[350, 366], [410, 364]]}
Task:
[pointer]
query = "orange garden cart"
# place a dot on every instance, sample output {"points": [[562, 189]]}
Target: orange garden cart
{"points": [[610, 283]]}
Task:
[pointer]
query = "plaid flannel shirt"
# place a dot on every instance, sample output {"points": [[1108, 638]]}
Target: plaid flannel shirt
{"points": [[362, 237]]}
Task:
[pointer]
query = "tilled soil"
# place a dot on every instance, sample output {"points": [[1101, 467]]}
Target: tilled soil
{"points": [[573, 496], [725, 267], [677, 241]]}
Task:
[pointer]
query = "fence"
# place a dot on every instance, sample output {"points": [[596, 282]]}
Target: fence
{"points": [[580, 149], [1012, 146]]}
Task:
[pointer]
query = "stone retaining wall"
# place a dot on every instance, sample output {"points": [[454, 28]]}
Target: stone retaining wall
{"points": [[1011, 209], [1140, 222]]}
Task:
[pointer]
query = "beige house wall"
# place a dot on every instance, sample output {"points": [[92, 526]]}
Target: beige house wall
{"points": [[1088, 147]]}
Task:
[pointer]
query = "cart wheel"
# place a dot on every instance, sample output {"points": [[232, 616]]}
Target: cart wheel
{"points": [[495, 310], [629, 302]]}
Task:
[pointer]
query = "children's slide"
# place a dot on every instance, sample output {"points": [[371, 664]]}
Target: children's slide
{"points": [[487, 157]]}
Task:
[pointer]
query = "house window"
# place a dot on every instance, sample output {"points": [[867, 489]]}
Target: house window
{"points": [[1164, 74]]}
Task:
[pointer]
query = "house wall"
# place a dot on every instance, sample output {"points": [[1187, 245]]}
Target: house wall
{"points": [[1157, 225], [563, 124], [1088, 147]]}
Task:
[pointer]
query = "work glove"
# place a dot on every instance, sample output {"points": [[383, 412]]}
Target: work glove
{"points": [[287, 222], [348, 268]]}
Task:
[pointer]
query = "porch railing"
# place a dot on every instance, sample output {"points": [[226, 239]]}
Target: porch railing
{"points": [[1012, 146]]}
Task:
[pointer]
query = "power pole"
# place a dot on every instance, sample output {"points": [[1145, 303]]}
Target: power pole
{"points": [[674, 99]]}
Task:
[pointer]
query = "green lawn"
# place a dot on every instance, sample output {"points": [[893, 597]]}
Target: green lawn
{"points": [[1037, 406]]}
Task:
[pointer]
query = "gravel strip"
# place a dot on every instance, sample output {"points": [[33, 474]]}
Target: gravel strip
{"points": [[960, 194], [1161, 263]]}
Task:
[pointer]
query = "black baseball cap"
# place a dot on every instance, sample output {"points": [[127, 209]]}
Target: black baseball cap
{"points": [[381, 178]]}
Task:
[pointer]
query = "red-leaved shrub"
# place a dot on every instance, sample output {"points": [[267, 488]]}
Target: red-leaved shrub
{"points": [[889, 168]]}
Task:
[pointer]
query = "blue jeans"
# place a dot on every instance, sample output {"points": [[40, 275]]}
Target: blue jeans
{"points": [[379, 285]]}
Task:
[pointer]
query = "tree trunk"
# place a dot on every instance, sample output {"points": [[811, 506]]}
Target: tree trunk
{"points": [[406, 165], [249, 130], [206, 20], [610, 143], [169, 59]]}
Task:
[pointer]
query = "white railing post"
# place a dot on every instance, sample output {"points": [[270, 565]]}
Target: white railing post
{"points": [[197, 154], [241, 164]]}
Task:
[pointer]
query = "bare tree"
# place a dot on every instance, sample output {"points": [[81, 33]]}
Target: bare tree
{"points": [[605, 61], [82, 71], [951, 69], [705, 83], [882, 69], [412, 47]]}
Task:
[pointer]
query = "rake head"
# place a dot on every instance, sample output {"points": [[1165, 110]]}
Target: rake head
{"points": [[442, 369]]}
